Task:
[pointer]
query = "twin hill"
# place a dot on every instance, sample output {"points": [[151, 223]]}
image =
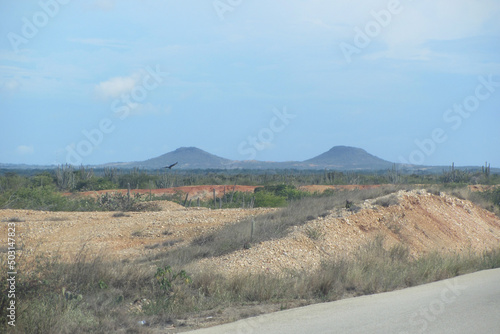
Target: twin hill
{"points": [[339, 158]]}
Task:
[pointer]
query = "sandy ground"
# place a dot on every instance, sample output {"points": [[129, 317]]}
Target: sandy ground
{"points": [[423, 221], [134, 235]]}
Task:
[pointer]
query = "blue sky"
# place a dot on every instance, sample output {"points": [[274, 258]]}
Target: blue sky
{"points": [[103, 81]]}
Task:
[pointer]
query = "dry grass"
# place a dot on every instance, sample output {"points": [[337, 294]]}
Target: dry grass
{"points": [[387, 201], [115, 296], [488, 200], [268, 226]]}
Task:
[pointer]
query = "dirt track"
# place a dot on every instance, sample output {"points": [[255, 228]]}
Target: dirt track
{"points": [[421, 220]]}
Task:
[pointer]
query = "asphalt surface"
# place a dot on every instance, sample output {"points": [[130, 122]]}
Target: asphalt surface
{"points": [[464, 304]]}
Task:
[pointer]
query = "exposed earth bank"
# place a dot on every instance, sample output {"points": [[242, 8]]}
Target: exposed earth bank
{"points": [[422, 221]]}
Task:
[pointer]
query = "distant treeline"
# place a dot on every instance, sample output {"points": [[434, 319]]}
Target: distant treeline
{"points": [[43, 190], [71, 179]]}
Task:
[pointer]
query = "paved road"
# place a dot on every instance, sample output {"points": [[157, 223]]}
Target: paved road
{"points": [[465, 304]]}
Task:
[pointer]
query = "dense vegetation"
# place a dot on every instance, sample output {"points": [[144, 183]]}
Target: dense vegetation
{"points": [[69, 178], [44, 190]]}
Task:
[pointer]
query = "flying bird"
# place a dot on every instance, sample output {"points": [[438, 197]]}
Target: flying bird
{"points": [[172, 165]]}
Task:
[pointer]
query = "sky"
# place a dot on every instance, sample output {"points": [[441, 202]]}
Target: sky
{"points": [[97, 81]]}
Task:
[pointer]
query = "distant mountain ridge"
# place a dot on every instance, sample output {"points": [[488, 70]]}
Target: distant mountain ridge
{"points": [[346, 157], [339, 157]]}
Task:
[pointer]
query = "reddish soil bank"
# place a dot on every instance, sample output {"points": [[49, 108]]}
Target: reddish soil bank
{"points": [[194, 192], [320, 188], [206, 192]]}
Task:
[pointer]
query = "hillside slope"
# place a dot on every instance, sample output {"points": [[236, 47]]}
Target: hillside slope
{"points": [[346, 157], [422, 221], [187, 158]]}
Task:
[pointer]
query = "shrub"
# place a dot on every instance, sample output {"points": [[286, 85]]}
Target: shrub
{"points": [[289, 192], [35, 198], [94, 184], [492, 196], [314, 233], [264, 199], [387, 201], [166, 278]]}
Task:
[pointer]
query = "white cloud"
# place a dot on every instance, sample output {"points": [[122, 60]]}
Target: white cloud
{"points": [[115, 87], [25, 149]]}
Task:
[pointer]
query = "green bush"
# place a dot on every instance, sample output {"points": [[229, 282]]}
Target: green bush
{"points": [[166, 278], [287, 191], [34, 198], [494, 196], [47, 198], [95, 184], [264, 199]]}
